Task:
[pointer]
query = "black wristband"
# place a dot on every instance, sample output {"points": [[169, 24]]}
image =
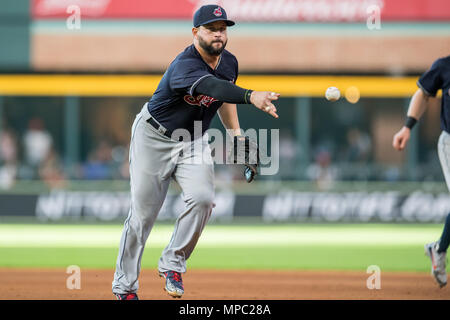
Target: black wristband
{"points": [[248, 93], [410, 122]]}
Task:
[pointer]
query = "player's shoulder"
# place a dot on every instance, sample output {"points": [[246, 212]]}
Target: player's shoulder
{"points": [[442, 62], [188, 58], [189, 54], [229, 56]]}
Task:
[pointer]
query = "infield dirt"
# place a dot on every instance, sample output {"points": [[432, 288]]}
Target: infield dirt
{"points": [[38, 284]]}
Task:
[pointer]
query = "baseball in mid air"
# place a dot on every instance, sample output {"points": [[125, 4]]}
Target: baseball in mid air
{"points": [[332, 94]]}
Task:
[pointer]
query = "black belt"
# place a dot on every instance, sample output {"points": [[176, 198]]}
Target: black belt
{"points": [[160, 128]]}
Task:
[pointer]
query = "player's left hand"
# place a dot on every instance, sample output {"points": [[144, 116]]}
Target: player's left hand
{"points": [[245, 151]]}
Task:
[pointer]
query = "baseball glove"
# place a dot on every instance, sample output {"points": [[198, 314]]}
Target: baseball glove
{"points": [[245, 151]]}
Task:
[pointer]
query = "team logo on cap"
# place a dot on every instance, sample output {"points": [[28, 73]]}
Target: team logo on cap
{"points": [[217, 12]]}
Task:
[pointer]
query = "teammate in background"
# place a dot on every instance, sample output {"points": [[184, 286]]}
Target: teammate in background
{"points": [[197, 84], [436, 78]]}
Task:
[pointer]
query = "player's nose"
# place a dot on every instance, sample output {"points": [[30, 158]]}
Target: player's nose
{"points": [[218, 34]]}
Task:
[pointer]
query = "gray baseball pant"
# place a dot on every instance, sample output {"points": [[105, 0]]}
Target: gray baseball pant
{"points": [[154, 160], [444, 155]]}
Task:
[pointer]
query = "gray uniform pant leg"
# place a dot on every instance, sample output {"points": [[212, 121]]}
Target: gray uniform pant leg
{"points": [[154, 159], [444, 155], [150, 171], [197, 184]]}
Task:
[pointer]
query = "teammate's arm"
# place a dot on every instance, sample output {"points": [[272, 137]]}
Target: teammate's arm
{"points": [[417, 107], [429, 84], [228, 92]]}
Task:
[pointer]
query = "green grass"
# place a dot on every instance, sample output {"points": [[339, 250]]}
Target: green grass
{"points": [[291, 246], [395, 258]]}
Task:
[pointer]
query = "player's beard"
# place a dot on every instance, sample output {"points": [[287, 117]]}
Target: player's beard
{"points": [[209, 47]]}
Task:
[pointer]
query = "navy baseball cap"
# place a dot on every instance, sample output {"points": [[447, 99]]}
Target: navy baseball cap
{"points": [[210, 13]]}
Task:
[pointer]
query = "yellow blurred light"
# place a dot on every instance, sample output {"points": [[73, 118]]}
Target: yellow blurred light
{"points": [[352, 94], [144, 85]]}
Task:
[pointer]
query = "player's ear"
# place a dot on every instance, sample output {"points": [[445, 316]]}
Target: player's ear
{"points": [[194, 31]]}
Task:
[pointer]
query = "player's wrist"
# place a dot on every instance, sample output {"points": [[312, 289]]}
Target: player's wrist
{"points": [[248, 96], [237, 132], [410, 122]]}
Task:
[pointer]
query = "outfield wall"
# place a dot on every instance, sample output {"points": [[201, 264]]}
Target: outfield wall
{"points": [[284, 205]]}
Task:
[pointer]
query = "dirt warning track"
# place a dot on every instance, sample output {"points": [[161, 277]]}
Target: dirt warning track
{"points": [[38, 284]]}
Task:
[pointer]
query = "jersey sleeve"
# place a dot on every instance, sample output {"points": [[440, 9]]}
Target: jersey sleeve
{"points": [[187, 74], [431, 81]]}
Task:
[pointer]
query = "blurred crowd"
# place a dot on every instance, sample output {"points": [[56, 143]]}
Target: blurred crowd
{"points": [[330, 161], [33, 156]]}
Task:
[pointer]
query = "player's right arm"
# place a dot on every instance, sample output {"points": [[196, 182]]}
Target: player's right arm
{"points": [[192, 76], [228, 92], [417, 107], [429, 83]]}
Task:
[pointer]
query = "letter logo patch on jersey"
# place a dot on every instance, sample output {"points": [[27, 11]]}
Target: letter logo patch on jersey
{"points": [[200, 100], [217, 12]]}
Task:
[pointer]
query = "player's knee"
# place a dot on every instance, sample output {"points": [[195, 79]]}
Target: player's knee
{"points": [[145, 195], [203, 198], [141, 222]]}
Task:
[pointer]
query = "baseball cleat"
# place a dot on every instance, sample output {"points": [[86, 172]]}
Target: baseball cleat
{"points": [[174, 283], [126, 296], [438, 262]]}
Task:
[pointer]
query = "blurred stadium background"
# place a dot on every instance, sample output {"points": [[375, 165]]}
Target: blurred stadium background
{"points": [[69, 93]]}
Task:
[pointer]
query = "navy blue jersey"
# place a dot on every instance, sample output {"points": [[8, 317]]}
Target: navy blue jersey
{"points": [[438, 77], [175, 103]]}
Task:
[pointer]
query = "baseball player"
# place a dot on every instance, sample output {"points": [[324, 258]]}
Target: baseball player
{"points": [[437, 77], [199, 82]]}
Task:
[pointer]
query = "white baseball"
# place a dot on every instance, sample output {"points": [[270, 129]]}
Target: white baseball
{"points": [[332, 94]]}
